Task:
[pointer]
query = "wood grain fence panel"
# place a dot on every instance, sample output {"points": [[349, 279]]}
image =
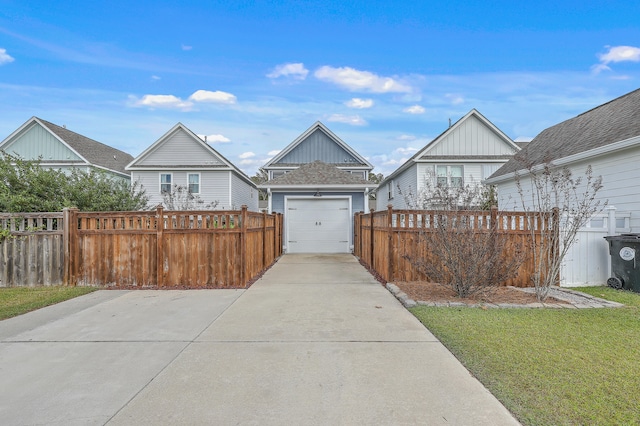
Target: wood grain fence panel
{"points": [[399, 234], [32, 254]]}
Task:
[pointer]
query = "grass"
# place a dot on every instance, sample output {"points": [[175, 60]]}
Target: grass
{"points": [[551, 366], [19, 300]]}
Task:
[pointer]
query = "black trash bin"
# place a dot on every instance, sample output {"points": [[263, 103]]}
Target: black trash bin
{"points": [[625, 261]]}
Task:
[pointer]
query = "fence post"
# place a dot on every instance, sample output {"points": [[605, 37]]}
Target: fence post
{"points": [[72, 247], [66, 252], [389, 276], [264, 240], [243, 244], [159, 246], [371, 257]]}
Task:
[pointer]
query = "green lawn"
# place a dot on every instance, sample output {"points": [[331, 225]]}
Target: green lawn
{"points": [[19, 300], [551, 366]]}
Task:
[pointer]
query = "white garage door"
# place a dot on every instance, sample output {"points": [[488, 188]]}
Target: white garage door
{"points": [[318, 225]]}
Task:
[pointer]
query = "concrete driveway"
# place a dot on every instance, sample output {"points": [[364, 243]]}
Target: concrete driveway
{"points": [[315, 341]]}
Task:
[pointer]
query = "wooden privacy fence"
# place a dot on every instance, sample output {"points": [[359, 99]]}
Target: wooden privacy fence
{"points": [[31, 249], [384, 239], [221, 249]]}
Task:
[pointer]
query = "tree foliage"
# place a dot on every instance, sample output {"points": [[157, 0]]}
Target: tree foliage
{"points": [[26, 186]]}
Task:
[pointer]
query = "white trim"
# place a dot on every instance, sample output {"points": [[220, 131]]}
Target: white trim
{"points": [[574, 158], [199, 182], [160, 182], [311, 197]]}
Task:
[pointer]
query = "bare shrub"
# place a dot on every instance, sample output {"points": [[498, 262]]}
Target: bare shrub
{"points": [[467, 250], [181, 199], [562, 205]]}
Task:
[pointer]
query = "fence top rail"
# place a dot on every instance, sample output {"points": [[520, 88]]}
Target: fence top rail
{"points": [[32, 223]]}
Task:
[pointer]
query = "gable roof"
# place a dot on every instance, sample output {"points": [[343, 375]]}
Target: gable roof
{"points": [[424, 156], [318, 174], [221, 162], [91, 151], [614, 121], [318, 126]]}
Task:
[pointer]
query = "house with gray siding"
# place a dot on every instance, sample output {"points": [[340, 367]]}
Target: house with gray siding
{"points": [[607, 138], [468, 152], [318, 183], [59, 148], [181, 158]]}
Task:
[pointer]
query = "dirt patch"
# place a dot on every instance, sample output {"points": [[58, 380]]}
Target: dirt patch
{"points": [[431, 292]]}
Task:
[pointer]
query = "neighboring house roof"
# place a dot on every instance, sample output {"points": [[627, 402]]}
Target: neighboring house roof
{"points": [[614, 121], [91, 151], [424, 155], [317, 174], [317, 126], [212, 161]]}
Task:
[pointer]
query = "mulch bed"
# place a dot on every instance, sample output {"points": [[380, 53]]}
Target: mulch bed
{"points": [[432, 292]]}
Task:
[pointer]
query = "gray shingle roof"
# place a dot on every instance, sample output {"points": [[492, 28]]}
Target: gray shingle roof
{"points": [[614, 121], [95, 152], [317, 173]]}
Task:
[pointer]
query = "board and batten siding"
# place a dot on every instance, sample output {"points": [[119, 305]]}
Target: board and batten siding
{"points": [[471, 137], [243, 194], [214, 185], [36, 141], [180, 148], [317, 146]]}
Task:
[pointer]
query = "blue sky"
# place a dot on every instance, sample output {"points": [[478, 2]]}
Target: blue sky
{"points": [[386, 77]]}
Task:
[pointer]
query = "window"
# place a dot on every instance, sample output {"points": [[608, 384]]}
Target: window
{"points": [[390, 189], [449, 176], [194, 183], [165, 182]]}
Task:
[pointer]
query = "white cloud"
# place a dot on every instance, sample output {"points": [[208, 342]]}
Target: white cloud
{"points": [[297, 71], [414, 109], [163, 101], [354, 120], [359, 103], [5, 58], [186, 47], [155, 77], [406, 151], [614, 55], [406, 138], [274, 153], [356, 80], [246, 155], [215, 97], [215, 138]]}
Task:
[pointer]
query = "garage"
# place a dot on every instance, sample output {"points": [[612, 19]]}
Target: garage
{"points": [[318, 225]]}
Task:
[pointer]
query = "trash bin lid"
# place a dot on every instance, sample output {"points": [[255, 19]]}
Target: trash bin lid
{"points": [[634, 237]]}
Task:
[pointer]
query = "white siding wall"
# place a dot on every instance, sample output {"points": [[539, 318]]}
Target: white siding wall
{"points": [[243, 194], [406, 181], [214, 185], [620, 176]]}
